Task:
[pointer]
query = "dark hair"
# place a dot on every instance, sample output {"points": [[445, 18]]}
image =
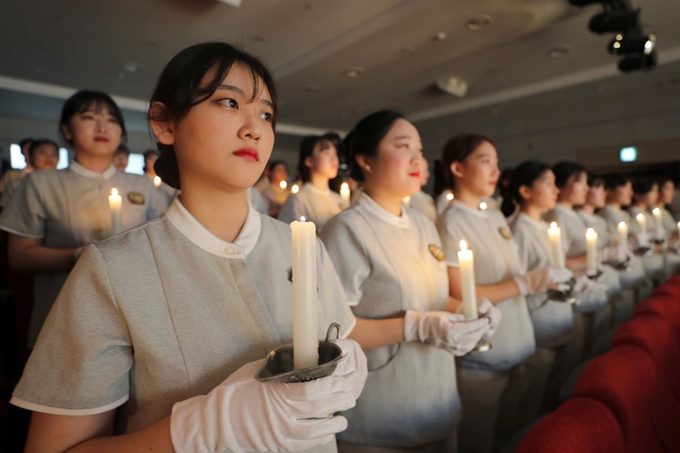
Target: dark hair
{"points": [[614, 181], [457, 149], [595, 180], [366, 137], [663, 179], [151, 152], [643, 185], [24, 142], [122, 149], [564, 171], [307, 150], [275, 163], [180, 87], [526, 174], [35, 144], [84, 100]]}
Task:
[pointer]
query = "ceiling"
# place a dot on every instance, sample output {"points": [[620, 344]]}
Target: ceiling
{"points": [[516, 90]]}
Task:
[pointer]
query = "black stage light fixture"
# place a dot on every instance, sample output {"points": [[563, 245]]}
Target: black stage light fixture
{"points": [[633, 44], [638, 62], [614, 22]]}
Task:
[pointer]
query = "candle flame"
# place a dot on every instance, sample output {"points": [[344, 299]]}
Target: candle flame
{"points": [[463, 246], [295, 189], [656, 211], [622, 224], [344, 187], [114, 192], [640, 216], [302, 219], [553, 225], [449, 197], [482, 205], [590, 232], [283, 184], [157, 181]]}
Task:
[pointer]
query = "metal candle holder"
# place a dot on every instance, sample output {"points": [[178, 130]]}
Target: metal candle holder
{"points": [[619, 265], [278, 367], [566, 296]]}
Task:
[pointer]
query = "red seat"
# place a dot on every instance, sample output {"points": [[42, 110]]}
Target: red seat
{"points": [[625, 380], [580, 425]]}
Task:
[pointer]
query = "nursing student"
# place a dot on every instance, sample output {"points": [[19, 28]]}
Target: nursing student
{"points": [[54, 214], [645, 229], [492, 382], [315, 201], [532, 186], [392, 267], [669, 224], [592, 315], [43, 154], [167, 192], [277, 191], [420, 200], [168, 323]]}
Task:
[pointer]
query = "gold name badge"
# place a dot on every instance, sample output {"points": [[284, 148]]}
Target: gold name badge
{"points": [[505, 233], [437, 252], [135, 197]]}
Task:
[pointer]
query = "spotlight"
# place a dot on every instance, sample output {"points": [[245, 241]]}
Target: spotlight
{"points": [[614, 22], [640, 44], [638, 62]]}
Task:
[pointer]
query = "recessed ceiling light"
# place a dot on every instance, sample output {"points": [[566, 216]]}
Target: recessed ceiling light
{"points": [[354, 72], [478, 22], [130, 67], [557, 51]]}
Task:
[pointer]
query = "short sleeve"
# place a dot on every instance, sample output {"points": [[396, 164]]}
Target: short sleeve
{"points": [[82, 359], [333, 295], [451, 237], [348, 255], [291, 210], [8, 193], [25, 213]]}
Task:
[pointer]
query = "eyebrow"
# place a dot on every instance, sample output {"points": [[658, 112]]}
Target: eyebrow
{"points": [[237, 90]]}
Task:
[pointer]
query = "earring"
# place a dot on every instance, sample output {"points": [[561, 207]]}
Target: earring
{"points": [[368, 168]]}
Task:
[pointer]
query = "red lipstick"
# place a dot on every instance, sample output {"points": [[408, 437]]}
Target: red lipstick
{"points": [[248, 154], [101, 139], [415, 174]]}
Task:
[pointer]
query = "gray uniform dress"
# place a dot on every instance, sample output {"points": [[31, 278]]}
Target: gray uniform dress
{"points": [[553, 324], [69, 208], [654, 263], [13, 175], [424, 203], [313, 204], [490, 383], [389, 264], [165, 312], [8, 193]]}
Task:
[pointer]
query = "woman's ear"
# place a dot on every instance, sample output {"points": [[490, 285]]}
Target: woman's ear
{"points": [[457, 169], [66, 131], [363, 163], [525, 192], [309, 162], [163, 130]]}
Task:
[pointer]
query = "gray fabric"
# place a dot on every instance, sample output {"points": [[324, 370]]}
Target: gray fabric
{"points": [[150, 314], [496, 260], [315, 205], [449, 445], [386, 267], [68, 210], [425, 204], [8, 193]]}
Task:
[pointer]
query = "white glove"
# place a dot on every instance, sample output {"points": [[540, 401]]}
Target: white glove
{"points": [[541, 280], [639, 240], [444, 330], [490, 311], [586, 285], [242, 414], [613, 254]]}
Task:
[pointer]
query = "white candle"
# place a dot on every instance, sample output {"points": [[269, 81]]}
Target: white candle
{"points": [[115, 204], [678, 230], [406, 201], [345, 194], [482, 206], [623, 234], [157, 181], [656, 212], [283, 184], [305, 323], [642, 222], [294, 189], [466, 261], [591, 251], [556, 251]]}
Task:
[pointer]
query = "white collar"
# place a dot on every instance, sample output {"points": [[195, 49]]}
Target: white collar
{"points": [[374, 208], [566, 210], [190, 227], [309, 186], [463, 207], [84, 172], [538, 224]]}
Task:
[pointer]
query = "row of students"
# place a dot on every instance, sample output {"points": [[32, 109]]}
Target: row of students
{"points": [[168, 322], [42, 154]]}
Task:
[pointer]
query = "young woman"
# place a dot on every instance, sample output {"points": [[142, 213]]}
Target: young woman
{"points": [[167, 323], [646, 194], [54, 214], [315, 201], [275, 193], [150, 158], [391, 265], [121, 157], [13, 175], [492, 382], [532, 185], [420, 200], [592, 320], [666, 198], [43, 154]]}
